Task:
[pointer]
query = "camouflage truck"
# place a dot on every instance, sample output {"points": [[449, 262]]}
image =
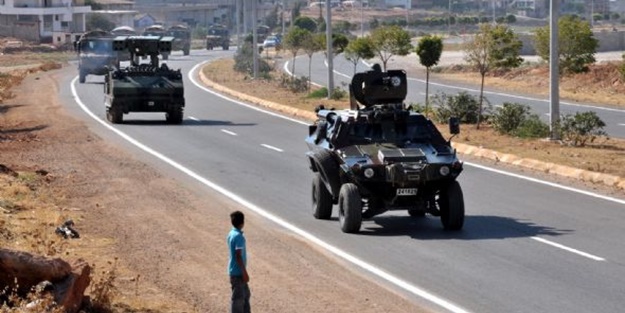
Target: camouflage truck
{"points": [[218, 36], [95, 54], [182, 38], [144, 87]]}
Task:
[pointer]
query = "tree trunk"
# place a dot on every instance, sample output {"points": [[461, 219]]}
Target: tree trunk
{"points": [[427, 85], [309, 71], [479, 113], [293, 67]]}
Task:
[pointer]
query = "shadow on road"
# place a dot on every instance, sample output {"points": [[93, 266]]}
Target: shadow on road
{"points": [[161, 122], [478, 227]]}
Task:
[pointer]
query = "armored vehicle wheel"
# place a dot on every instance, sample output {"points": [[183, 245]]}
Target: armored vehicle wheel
{"points": [[174, 116], [114, 115], [350, 208], [329, 169], [321, 199], [451, 205]]}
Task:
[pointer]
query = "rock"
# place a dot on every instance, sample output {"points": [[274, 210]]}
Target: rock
{"points": [[29, 270], [69, 281], [6, 170], [69, 293]]}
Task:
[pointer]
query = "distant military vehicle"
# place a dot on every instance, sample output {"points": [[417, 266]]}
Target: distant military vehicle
{"points": [[182, 38], [379, 156], [95, 54], [218, 36], [144, 87]]}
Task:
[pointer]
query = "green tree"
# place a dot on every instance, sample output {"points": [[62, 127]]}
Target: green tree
{"points": [[429, 51], [293, 41], [94, 5], [99, 21], [576, 44], [307, 23], [389, 41], [359, 49], [492, 47], [310, 45], [339, 42]]}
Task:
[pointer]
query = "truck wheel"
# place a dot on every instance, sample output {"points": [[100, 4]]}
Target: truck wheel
{"points": [[185, 51], [82, 77], [321, 199], [226, 47], [329, 170], [174, 116], [451, 205], [114, 115], [165, 56], [350, 208]]}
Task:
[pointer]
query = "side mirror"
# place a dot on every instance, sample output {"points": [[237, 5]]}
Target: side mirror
{"points": [[454, 125]]}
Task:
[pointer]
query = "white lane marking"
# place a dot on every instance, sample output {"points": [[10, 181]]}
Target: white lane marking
{"points": [[194, 119], [286, 69], [420, 292], [621, 124], [253, 107], [229, 132], [563, 247], [271, 147]]}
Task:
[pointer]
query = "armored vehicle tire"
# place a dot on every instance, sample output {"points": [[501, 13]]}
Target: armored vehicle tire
{"points": [[329, 170], [350, 208], [321, 199], [114, 115], [451, 205], [416, 213], [174, 116]]}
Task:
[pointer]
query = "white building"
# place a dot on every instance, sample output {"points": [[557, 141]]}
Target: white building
{"points": [[51, 21]]}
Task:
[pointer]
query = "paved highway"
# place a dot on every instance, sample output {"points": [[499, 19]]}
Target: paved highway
{"points": [[527, 245], [613, 117]]}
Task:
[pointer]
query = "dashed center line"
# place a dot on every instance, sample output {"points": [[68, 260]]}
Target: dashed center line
{"points": [[194, 119], [229, 132], [272, 147], [621, 124], [563, 247]]}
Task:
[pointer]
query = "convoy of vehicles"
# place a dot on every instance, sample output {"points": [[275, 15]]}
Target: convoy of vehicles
{"points": [[95, 54], [218, 36]]}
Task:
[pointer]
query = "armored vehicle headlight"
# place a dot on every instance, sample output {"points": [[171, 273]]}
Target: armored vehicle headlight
{"points": [[369, 173], [444, 170]]}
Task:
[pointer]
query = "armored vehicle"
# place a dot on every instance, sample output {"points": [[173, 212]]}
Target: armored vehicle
{"points": [[95, 54], [144, 87], [379, 156], [218, 36], [182, 38]]}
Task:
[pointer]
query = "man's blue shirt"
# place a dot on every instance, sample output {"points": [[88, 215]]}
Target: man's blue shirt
{"points": [[236, 241]]}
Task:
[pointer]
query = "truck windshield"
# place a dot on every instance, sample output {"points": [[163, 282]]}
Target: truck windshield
{"points": [[97, 46]]}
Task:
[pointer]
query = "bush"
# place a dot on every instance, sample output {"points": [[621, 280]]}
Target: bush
{"points": [[294, 84], [337, 94], [244, 62], [463, 106], [581, 128], [508, 118], [532, 127]]}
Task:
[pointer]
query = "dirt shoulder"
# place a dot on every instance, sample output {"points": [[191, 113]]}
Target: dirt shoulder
{"points": [[168, 240]]}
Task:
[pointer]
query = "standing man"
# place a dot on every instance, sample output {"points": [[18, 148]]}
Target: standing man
{"points": [[237, 265]]}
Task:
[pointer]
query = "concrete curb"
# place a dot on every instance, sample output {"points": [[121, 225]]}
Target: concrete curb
{"points": [[545, 167]]}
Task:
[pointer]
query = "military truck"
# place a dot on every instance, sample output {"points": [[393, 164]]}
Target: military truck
{"points": [[182, 38], [379, 156], [95, 54], [218, 36], [145, 87]]}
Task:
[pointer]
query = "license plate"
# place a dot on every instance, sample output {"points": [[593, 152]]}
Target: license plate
{"points": [[150, 103], [407, 191]]}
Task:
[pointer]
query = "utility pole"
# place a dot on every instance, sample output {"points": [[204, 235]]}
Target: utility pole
{"points": [[282, 16], [329, 48], [255, 37], [362, 18], [237, 11], [449, 20], [554, 74], [494, 17]]}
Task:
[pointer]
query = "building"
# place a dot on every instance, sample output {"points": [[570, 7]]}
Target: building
{"points": [[47, 21]]}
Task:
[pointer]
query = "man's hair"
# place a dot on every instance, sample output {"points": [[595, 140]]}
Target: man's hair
{"points": [[237, 218]]}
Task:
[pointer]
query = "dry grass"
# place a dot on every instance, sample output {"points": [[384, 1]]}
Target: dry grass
{"points": [[604, 155]]}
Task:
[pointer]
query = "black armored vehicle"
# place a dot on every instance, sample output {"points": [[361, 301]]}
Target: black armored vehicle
{"points": [[144, 87], [379, 156]]}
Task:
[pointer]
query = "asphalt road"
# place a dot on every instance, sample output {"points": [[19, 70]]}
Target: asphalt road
{"points": [[526, 246], [613, 117]]}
